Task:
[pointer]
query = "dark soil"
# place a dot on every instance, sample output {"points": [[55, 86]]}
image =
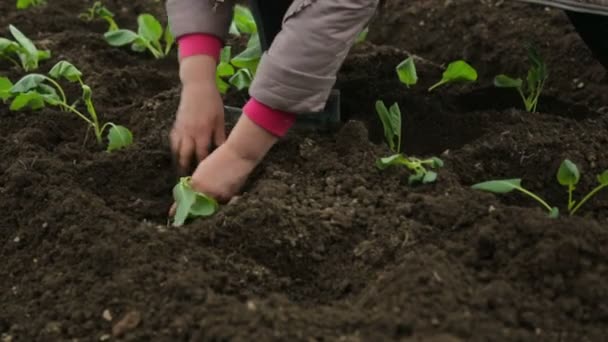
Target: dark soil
{"points": [[321, 246]]}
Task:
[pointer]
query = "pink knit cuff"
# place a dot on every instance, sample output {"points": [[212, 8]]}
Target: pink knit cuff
{"points": [[274, 121], [199, 44]]}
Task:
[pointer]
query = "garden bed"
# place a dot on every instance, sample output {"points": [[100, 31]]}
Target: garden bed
{"points": [[321, 245]]}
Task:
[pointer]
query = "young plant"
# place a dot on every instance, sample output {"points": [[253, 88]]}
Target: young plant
{"points": [[98, 10], [190, 203], [568, 175], [35, 91], [504, 186], [457, 71], [149, 35], [240, 70], [22, 52], [530, 90], [406, 71], [24, 4], [391, 122]]}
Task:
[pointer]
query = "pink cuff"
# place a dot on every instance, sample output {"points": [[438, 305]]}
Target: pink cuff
{"points": [[199, 44], [274, 121]]}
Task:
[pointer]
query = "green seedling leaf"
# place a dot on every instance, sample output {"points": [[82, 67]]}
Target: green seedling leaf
{"points": [[43, 55], [504, 81], [362, 36], [224, 69], [458, 71], [5, 88], [243, 20], [27, 83], [31, 100], [139, 45], [603, 178], [499, 186], [554, 213], [191, 203], [391, 122], [169, 40], [568, 173], [250, 58], [120, 37], [241, 79], [119, 137], [437, 163], [65, 70], [406, 71], [25, 42], [24, 4], [429, 177], [396, 159], [149, 28], [416, 178]]}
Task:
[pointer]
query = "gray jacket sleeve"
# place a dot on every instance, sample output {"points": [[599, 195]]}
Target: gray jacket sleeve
{"points": [[200, 16], [299, 70]]}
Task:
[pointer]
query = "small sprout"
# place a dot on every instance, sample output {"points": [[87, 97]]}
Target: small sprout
{"points": [[504, 186], [22, 52], [24, 4], [391, 122], [98, 10], [458, 71], [531, 90], [35, 91], [406, 71], [568, 175], [239, 71], [148, 37], [190, 203]]}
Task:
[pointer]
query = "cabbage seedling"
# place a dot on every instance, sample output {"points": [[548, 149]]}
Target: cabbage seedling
{"points": [[24, 4], [22, 52], [568, 175], [148, 37], [504, 186], [530, 90], [242, 21], [190, 203], [391, 122], [406, 71], [98, 10], [457, 71], [35, 91]]}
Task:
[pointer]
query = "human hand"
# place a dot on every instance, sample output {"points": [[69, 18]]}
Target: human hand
{"points": [[200, 117], [224, 172]]}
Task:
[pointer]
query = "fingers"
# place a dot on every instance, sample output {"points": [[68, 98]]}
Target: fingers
{"points": [[202, 145], [173, 209], [219, 134], [185, 153]]}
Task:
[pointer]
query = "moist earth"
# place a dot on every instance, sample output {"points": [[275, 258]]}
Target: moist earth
{"points": [[321, 245]]}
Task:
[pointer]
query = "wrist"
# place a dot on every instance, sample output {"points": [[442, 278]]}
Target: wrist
{"points": [[196, 69], [250, 141]]}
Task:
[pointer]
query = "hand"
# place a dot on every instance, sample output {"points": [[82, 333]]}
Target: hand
{"points": [[200, 116], [225, 171]]}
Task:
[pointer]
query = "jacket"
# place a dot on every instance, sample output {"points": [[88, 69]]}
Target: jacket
{"points": [[298, 71]]}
